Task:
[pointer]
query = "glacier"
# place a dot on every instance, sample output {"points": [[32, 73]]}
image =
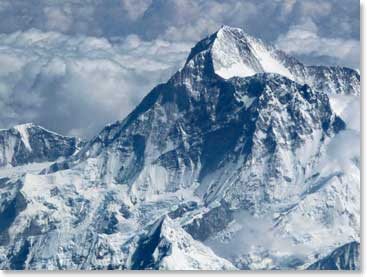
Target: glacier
{"points": [[238, 161]]}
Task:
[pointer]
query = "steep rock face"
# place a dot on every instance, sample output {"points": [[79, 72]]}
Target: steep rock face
{"points": [[346, 257], [199, 129], [176, 130], [217, 154], [333, 80], [167, 246], [29, 143]]}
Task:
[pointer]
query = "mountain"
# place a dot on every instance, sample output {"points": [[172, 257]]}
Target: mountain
{"points": [[235, 53], [235, 151], [165, 245], [345, 257], [29, 143]]}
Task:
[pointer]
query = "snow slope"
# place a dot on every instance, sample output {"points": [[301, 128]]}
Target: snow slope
{"points": [[237, 54]]}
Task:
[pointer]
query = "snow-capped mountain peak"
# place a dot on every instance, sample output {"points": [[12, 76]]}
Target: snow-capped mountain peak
{"points": [[29, 143], [231, 52], [166, 245], [236, 53], [23, 131]]}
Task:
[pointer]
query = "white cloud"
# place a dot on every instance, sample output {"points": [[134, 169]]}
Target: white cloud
{"points": [[343, 154], [135, 8], [58, 18], [75, 85], [255, 236], [343, 151], [194, 20], [286, 8], [315, 8], [303, 39], [348, 108]]}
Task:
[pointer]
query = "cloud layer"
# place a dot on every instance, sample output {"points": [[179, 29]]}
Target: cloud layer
{"points": [[75, 85], [304, 40], [192, 19]]}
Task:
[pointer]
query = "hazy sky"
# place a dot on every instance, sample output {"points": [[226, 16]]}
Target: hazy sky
{"points": [[75, 65]]}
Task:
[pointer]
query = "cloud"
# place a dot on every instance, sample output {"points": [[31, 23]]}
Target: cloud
{"points": [[287, 8], [348, 108], [192, 20], [252, 237], [343, 151], [178, 19], [135, 8], [344, 147], [77, 84], [58, 18], [315, 8], [303, 39]]}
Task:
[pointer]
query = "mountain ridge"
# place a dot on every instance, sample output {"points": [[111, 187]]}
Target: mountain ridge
{"points": [[236, 53], [26, 143]]}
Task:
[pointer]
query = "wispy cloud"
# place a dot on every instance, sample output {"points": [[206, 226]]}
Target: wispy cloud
{"points": [[135, 8], [303, 39]]}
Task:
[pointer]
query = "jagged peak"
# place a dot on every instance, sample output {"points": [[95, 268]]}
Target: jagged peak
{"points": [[207, 43], [38, 145], [233, 52], [165, 241], [230, 29], [24, 127], [236, 33]]}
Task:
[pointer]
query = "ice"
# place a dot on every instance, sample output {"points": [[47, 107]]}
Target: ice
{"points": [[23, 131], [236, 53]]}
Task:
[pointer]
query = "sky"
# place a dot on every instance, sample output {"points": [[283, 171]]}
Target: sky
{"points": [[73, 66]]}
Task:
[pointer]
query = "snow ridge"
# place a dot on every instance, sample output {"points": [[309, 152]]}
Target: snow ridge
{"points": [[29, 143], [237, 54], [234, 53], [23, 131]]}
